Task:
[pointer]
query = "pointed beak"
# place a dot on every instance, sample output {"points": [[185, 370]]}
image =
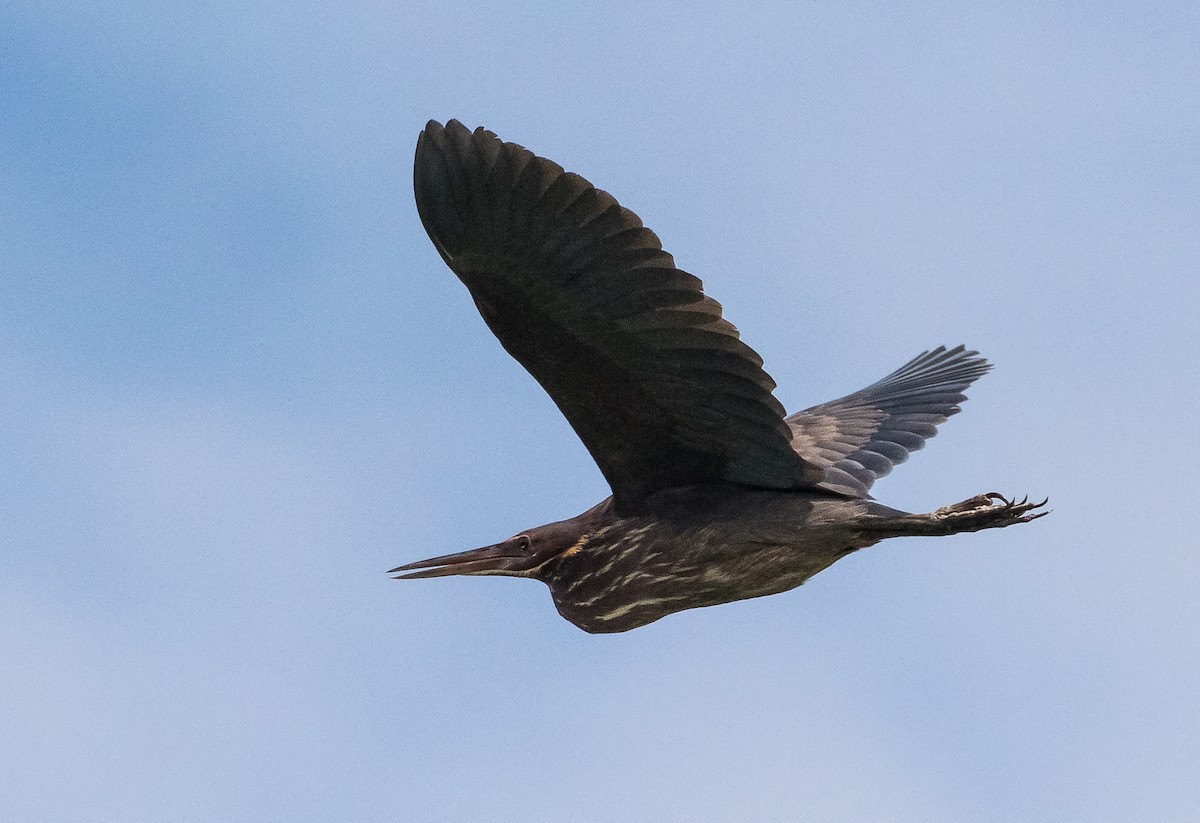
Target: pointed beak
{"points": [[499, 559]]}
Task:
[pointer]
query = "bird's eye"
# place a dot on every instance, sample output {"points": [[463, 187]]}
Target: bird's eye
{"points": [[523, 542]]}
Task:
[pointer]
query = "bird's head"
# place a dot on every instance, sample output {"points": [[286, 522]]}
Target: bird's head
{"points": [[523, 555]]}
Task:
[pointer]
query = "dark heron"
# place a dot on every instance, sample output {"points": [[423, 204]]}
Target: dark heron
{"points": [[716, 494]]}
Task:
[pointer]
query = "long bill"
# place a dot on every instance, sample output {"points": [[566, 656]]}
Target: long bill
{"points": [[499, 559]]}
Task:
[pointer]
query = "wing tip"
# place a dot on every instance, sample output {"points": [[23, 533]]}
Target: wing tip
{"points": [[941, 364]]}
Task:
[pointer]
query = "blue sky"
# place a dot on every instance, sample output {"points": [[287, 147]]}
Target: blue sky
{"points": [[241, 385]]}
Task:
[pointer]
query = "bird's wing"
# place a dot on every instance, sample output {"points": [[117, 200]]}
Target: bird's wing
{"points": [[657, 385], [862, 436]]}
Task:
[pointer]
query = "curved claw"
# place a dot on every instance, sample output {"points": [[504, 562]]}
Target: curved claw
{"points": [[991, 510], [1013, 503], [1032, 506]]}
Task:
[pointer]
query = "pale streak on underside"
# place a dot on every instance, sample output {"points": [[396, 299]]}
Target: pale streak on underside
{"points": [[628, 607]]}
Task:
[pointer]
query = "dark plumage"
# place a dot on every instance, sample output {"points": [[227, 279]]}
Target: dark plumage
{"points": [[717, 496]]}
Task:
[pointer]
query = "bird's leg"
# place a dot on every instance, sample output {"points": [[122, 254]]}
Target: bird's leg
{"points": [[984, 511]]}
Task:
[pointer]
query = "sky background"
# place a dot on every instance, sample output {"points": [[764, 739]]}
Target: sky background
{"points": [[240, 384]]}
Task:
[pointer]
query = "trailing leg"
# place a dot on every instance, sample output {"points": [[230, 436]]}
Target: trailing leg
{"points": [[984, 511]]}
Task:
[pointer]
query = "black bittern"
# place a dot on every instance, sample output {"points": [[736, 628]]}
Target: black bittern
{"points": [[716, 494]]}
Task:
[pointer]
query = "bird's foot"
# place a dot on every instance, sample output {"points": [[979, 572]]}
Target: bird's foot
{"points": [[987, 511]]}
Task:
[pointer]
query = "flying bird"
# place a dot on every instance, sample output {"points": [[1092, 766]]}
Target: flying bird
{"points": [[717, 494]]}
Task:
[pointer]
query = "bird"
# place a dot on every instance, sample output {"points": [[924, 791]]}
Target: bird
{"points": [[717, 494]]}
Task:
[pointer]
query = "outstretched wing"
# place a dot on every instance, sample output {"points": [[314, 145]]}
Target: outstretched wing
{"points": [[657, 385], [862, 436]]}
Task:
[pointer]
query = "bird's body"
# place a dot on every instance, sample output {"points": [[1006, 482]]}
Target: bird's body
{"points": [[698, 546], [717, 496]]}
